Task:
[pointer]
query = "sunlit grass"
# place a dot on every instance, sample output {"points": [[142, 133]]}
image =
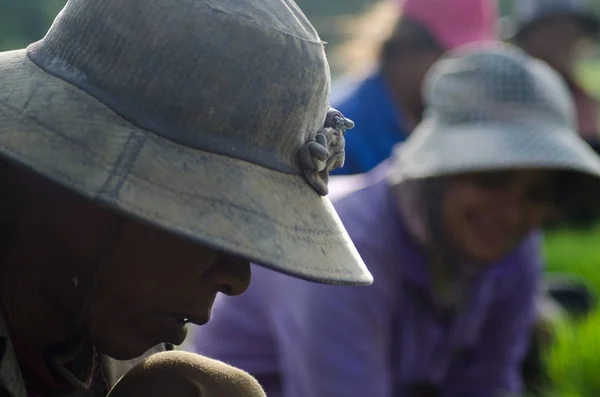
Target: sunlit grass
{"points": [[589, 75], [574, 359], [576, 253]]}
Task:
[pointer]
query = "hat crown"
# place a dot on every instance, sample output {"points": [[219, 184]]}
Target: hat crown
{"points": [[497, 84], [244, 78]]}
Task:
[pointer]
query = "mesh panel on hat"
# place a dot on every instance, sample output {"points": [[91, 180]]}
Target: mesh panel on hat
{"points": [[501, 85]]}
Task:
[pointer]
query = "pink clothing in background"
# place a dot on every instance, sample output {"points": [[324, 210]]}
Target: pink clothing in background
{"points": [[454, 22]]}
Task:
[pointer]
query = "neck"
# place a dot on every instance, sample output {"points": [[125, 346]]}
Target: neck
{"points": [[38, 318], [445, 275]]}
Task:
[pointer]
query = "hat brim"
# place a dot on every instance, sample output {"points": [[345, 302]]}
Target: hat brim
{"points": [[268, 217], [438, 151]]}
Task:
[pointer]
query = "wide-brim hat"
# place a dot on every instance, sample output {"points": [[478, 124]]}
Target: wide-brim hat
{"points": [[193, 117], [492, 107]]}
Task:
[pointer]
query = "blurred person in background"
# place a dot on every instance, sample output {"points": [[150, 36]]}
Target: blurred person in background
{"points": [[403, 38], [448, 226], [556, 31]]}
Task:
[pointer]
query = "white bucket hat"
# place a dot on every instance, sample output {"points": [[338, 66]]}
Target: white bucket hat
{"points": [[490, 106]]}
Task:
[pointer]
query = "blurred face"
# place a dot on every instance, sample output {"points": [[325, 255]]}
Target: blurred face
{"points": [[487, 214], [556, 41], [418, 70], [131, 286], [406, 78]]}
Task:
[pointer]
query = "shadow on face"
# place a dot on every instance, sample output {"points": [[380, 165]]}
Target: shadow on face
{"points": [[129, 284], [487, 214]]}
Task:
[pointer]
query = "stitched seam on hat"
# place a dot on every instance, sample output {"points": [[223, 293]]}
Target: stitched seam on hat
{"points": [[53, 174], [254, 22], [129, 154]]}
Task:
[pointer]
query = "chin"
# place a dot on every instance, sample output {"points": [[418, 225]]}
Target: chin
{"points": [[489, 257], [125, 350]]}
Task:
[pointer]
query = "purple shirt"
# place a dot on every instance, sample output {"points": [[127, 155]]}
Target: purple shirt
{"points": [[309, 340]]}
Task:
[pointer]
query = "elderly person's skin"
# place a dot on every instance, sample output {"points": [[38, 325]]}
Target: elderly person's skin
{"points": [[126, 285]]}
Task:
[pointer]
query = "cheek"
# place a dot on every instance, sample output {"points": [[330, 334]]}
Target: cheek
{"points": [[85, 232], [461, 203], [70, 236], [148, 269], [537, 215]]}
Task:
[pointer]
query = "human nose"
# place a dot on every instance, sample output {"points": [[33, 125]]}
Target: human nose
{"points": [[511, 208], [511, 211], [232, 275]]}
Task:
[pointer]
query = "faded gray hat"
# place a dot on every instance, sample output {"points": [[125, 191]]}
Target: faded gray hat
{"points": [[207, 118], [527, 13], [490, 106]]}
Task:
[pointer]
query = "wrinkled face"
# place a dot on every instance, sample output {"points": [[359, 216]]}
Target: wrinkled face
{"points": [[556, 41], [133, 286], [487, 214]]}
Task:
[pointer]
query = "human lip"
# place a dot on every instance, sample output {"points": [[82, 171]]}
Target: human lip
{"points": [[170, 329], [196, 319], [490, 232]]}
